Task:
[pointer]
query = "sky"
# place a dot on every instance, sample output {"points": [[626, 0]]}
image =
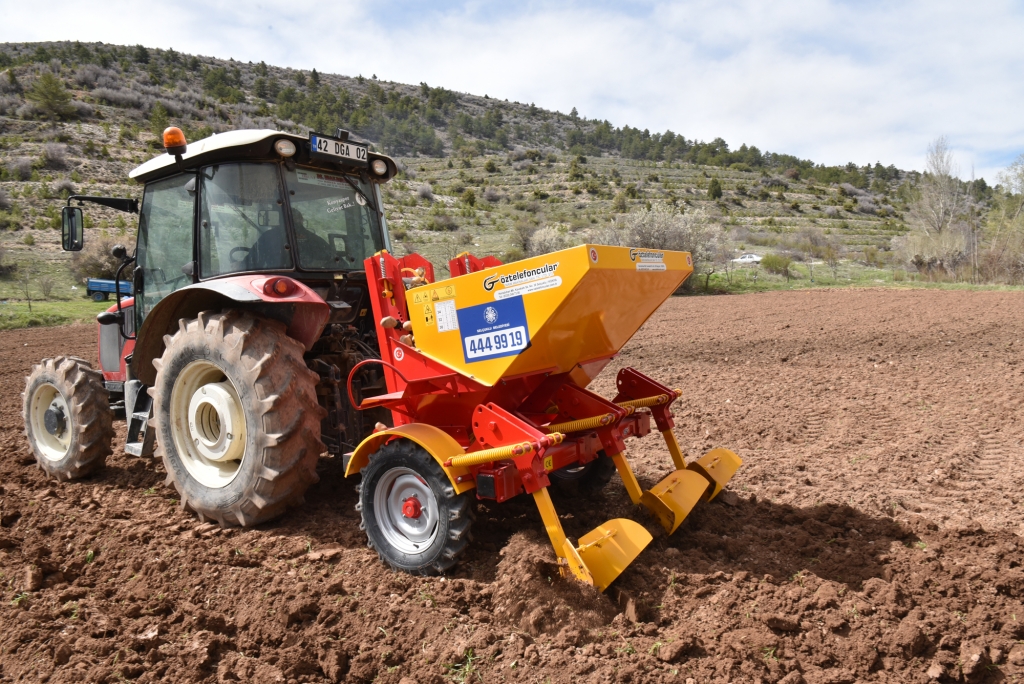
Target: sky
{"points": [[826, 80]]}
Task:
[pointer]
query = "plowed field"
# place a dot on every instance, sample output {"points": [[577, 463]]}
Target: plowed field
{"points": [[872, 534]]}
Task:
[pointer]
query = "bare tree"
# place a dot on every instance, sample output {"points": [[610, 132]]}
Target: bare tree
{"points": [[831, 256], [25, 285], [943, 198]]}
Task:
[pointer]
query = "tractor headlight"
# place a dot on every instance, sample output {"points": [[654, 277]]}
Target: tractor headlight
{"points": [[380, 167], [285, 148]]}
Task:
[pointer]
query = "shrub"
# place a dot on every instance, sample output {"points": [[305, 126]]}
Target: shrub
{"points": [[5, 200], [95, 260], [469, 197], [425, 192], [490, 166], [714, 189], [491, 195], [399, 233], [64, 188], [831, 212], [55, 155], [20, 168], [546, 240], [776, 263], [441, 223], [29, 239]]}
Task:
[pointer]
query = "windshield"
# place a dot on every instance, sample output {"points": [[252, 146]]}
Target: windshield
{"points": [[242, 227], [335, 227]]}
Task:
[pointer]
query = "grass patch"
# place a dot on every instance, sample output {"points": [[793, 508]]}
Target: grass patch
{"points": [[16, 314]]}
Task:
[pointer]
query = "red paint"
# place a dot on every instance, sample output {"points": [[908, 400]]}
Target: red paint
{"points": [[515, 410], [412, 508]]}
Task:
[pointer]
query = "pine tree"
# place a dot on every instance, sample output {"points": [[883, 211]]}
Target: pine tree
{"points": [[159, 119], [49, 94]]}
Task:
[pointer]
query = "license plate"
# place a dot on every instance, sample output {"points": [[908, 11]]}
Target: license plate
{"points": [[337, 149], [500, 343]]}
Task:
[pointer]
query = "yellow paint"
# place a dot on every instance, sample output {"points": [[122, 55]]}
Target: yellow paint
{"points": [[673, 448], [552, 524], [628, 478], [718, 466], [672, 499], [609, 549], [437, 443], [578, 310], [549, 463]]}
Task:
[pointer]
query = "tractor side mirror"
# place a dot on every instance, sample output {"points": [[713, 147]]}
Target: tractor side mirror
{"points": [[108, 318], [72, 222], [119, 252]]}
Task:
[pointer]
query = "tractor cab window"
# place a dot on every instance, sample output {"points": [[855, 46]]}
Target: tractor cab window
{"points": [[336, 226], [242, 225], [165, 239]]}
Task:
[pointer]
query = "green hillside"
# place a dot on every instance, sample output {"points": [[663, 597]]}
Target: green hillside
{"points": [[482, 174]]}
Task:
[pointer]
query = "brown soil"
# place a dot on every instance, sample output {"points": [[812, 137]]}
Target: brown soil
{"points": [[873, 533]]}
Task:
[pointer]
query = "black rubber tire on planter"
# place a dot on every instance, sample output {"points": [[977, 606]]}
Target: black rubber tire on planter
{"points": [[86, 427], [276, 394], [454, 511], [586, 480]]}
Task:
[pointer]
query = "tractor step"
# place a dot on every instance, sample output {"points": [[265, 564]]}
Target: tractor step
{"points": [[140, 437]]}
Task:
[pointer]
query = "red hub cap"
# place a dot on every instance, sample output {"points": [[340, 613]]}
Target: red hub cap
{"points": [[411, 508]]}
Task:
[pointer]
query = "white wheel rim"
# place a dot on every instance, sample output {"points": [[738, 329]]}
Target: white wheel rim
{"points": [[47, 397], [409, 535], [207, 424]]}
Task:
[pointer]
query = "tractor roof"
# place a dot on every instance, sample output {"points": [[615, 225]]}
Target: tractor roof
{"points": [[240, 145]]}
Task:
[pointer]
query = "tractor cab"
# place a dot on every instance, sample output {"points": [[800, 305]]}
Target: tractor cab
{"points": [[253, 202]]}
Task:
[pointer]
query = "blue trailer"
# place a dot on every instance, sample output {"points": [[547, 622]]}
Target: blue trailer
{"points": [[100, 289]]}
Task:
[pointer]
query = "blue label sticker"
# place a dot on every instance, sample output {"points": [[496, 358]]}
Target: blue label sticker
{"points": [[493, 329]]}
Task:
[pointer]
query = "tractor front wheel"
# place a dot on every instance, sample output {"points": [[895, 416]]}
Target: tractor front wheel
{"points": [[67, 415], [236, 417], [411, 514]]}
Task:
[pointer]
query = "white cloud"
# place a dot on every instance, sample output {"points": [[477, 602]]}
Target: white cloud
{"points": [[830, 81]]}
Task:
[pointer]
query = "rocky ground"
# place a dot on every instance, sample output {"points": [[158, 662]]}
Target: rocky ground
{"points": [[872, 534]]}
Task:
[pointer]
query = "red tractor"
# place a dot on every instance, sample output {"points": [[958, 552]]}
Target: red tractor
{"points": [[270, 323]]}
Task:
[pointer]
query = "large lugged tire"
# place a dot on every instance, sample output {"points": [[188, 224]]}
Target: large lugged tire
{"points": [[426, 537], [236, 417], [67, 415]]}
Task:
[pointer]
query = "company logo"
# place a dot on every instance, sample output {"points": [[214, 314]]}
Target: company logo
{"points": [[524, 276], [646, 255], [593, 254], [399, 354], [490, 314]]}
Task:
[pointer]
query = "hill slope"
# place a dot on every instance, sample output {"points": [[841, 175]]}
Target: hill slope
{"points": [[480, 173]]}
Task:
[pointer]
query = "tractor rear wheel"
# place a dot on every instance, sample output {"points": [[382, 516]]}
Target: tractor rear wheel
{"points": [[411, 514], [68, 420], [236, 417]]}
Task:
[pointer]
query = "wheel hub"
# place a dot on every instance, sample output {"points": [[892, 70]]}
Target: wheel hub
{"points": [[412, 508], [54, 421], [213, 416], [406, 510]]}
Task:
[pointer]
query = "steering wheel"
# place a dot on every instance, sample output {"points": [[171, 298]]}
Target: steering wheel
{"points": [[243, 250]]}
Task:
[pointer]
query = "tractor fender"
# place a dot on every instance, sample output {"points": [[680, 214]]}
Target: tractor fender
{"points": [[435, 441], [303, 311]]}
